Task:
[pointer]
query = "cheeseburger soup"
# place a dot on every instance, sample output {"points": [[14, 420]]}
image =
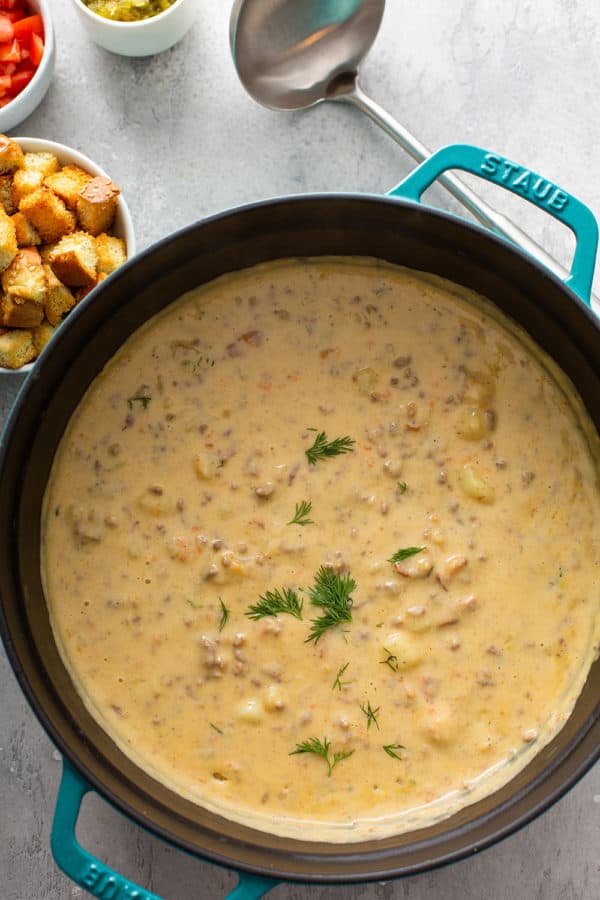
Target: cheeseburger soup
{"points": [[321, 548]]}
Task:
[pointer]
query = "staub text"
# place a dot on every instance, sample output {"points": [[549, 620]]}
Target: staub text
{"points": [[532, 186]]}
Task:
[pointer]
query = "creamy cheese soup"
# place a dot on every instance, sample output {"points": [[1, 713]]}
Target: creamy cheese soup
{"points": [[321, 548]]}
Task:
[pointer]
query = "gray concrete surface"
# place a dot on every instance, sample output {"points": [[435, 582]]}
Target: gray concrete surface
{"points": [[181, 137]]}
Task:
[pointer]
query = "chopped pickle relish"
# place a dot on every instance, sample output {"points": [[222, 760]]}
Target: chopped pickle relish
{"points": [[128, 10]]}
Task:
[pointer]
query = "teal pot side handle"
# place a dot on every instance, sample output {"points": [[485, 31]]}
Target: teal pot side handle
{"points": [[96, 877], [525, 183]]}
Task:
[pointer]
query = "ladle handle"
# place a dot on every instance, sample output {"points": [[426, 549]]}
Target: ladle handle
{"points": [[484, 213], [96, 877]]}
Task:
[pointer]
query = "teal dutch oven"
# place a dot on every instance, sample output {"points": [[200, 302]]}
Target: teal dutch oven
{"points": [[397, 228]]}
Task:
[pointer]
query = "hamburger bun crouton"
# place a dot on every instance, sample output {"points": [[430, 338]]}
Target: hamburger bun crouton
{"points": [[11, 155], [111, 253], [20, 313], [7, 197], [36, 166], [16, 349], [67, 183], [45, 250], [8, 240], [82, 292], [26, 234], [97, 204], [24, 278], [43, 162], [59, 299], [48, 214], [41, 334], [74, 260], [25, 181]]}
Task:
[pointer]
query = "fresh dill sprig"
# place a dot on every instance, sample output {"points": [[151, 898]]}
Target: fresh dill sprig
{"points": [[338, 683], [321, 748], [370, 713], [404, 553], [198, 362], [331, 593], [303, 510], [216, 727], [202, 359], [143, 400], [193, 603], [322, 448], [391, 749], [272, 602], [224, 615], [391, 660]]}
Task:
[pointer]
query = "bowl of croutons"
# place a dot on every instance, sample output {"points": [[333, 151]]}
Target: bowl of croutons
{"points": [[64, 228]]}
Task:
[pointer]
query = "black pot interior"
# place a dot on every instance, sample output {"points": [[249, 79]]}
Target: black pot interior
{"points": [[327, 225]]}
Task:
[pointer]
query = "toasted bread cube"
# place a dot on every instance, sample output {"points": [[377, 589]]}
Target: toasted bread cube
{"points": [[26, 181], [111, 253], [67, 183], [74, 260], [45, 250], [82, 292], [8, 240], [41, 334], [26, 234], [16, 313], [97, 204], [11, 155], [43, 162], [24, 278], [16, 349], [7, 197], [48, 214], [59, 300], [36, 166]]}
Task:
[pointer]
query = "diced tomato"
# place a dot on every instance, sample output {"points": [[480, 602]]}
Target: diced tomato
{"points": [[23, 28], [36, 49], [20, 80], [10, 52], [6, 29], [13, 14], [21, 47]]}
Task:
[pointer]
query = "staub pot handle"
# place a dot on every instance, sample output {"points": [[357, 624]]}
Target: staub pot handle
{"points": [[96, 877], [525, 183]]}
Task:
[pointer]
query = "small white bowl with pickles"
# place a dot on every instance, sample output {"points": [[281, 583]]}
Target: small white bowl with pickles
{"points": [[121, 227], [136, 27]]}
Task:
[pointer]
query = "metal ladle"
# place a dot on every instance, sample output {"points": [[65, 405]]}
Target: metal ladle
{"points": [[291, 54]]}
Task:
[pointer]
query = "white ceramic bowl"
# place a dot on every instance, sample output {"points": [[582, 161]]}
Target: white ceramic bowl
{"points": [[123, 224], [31, 96], [143, 38]]}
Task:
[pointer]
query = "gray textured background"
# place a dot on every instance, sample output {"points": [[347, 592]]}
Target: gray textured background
{"points": [[183, 140]]}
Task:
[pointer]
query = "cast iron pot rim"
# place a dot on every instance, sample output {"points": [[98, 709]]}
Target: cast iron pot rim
{"points": [[467, 225], [566, 783]]}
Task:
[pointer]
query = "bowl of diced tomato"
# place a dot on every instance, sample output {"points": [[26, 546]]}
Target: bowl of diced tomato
{"points": [[26, 58]]}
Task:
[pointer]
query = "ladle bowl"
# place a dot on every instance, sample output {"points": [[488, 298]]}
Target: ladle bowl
{"points": [[290, 55]]}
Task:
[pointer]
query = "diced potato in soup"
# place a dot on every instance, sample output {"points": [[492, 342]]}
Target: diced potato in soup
{"points": [[321, 548]]}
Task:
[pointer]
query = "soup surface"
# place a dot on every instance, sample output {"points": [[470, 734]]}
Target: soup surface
{"points": [[321, 548]]}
